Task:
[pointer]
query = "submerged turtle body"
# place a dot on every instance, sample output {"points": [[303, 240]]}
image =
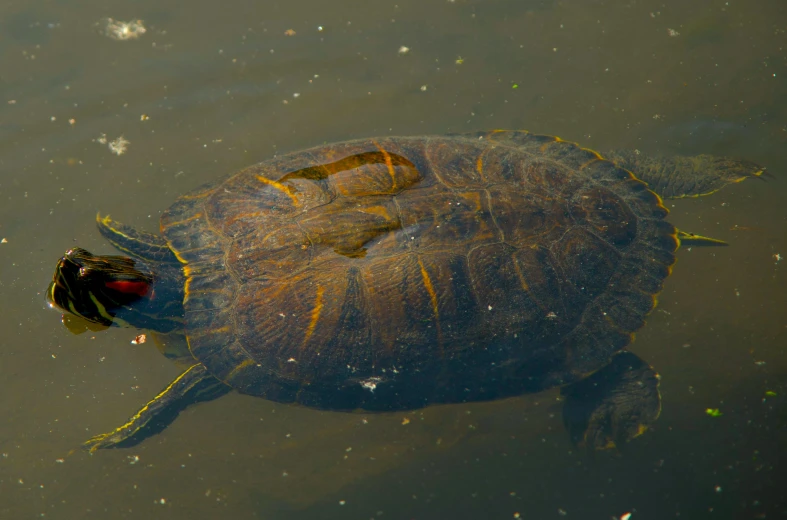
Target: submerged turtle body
{"points": [[428, 269], [401, 272]]}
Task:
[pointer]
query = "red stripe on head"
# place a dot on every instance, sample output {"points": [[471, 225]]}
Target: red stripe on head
{"points": [[138, 288]]}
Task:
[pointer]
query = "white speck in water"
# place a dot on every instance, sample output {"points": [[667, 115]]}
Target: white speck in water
{"points": [[122, 31], [371, 383]]}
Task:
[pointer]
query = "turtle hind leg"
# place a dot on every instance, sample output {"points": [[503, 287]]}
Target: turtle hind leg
{"points": [[685, 176], [194, 385], [613, 405], [138, 244]]}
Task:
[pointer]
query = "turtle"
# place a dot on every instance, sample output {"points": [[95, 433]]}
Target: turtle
{"points": [[396, 273]]}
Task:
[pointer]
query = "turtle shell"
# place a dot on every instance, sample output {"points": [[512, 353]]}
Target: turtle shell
{"points": [[397, 272]]}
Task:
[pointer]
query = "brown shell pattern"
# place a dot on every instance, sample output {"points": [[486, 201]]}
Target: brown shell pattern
{"points": [[398, 272]]}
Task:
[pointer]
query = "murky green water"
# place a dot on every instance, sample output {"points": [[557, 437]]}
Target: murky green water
{"points": [[215, 86]]}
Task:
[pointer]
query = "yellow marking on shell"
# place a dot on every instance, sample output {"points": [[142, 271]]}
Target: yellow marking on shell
{"points": [[210, 332], [187, 274], [137, 415], [315, 317], [388, 164], [287, 190], [543, 147], [597, 158], [180, 258], [479, 166], [237, 369], [474, 197], [433, 299], [521, 277], [184, 221], [377, 210]]}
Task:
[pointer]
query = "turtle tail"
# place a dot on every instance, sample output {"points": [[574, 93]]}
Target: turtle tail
{"points": [[684, 176]]}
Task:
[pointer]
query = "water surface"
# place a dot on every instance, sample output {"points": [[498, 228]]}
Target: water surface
{"points": [[214, 86]]}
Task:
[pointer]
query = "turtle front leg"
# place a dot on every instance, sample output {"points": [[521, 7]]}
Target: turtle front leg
{"points": [[194, 385], [138, 244], [613, 405]]}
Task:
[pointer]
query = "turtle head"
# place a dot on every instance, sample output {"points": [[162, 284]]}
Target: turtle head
{"points": [[98, 288]]}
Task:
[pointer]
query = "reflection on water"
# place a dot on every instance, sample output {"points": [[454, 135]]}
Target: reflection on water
{"points": [[211, 88]]}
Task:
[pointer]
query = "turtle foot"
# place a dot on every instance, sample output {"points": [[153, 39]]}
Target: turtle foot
{"points": [[613, 405]]}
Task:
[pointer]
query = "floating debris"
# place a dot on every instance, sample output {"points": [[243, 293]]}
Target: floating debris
{"points": [[403, 50], [405, 421], [139, 340], [290, 32], [713, 412], [4, 241], [771, 393], [118, 146], [122, 31], [371, 383], [673, 32]]}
